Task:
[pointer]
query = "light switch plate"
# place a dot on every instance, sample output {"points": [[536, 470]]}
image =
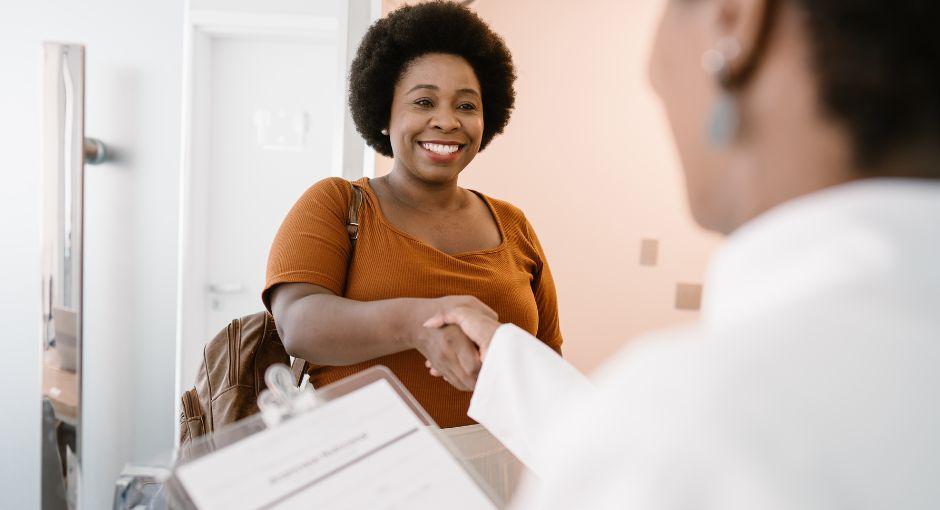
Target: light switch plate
{"points": [[688, 296], [649, 252]]}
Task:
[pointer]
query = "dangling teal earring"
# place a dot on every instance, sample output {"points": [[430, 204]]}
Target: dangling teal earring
{"points": [[724, 119], [723, 122]]}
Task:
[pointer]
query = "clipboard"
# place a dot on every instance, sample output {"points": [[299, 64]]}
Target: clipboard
{"points": [[360, 443]]}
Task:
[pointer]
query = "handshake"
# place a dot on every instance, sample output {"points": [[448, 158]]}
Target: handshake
{"points": [[453, 337]]}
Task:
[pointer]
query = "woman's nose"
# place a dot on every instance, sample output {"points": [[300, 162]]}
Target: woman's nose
{"points": [[445, 121]]}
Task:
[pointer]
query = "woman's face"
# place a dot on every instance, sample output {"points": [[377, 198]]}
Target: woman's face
{"points": [[686, 31], [436, 122]]}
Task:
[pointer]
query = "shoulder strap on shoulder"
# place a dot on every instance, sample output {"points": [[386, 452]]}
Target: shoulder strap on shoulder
{"points": [[352, 223]]}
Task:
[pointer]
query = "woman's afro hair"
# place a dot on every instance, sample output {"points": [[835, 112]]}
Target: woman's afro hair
{"points": [[395, 41]]}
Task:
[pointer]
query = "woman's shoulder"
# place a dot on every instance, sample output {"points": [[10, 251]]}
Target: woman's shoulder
{"points": [[332, 192], [511, 216], [330, 186], [505, 209]]}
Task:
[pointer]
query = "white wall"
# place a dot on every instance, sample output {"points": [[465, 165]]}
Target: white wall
{"points": [[134, 52]]}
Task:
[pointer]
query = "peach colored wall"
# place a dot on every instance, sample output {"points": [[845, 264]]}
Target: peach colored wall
{"points": [[588, 157]]}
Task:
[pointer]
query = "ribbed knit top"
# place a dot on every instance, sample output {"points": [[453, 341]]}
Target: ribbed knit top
{"points": [[312, 246]]}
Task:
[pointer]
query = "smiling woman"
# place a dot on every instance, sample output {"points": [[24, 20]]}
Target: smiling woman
{"points": [[431, 86]]}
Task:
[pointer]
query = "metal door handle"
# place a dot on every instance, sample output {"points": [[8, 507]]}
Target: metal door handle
{"points": [[96, 152]]}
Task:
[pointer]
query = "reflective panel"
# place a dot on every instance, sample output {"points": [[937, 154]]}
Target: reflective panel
{"points": [[63, 147]]}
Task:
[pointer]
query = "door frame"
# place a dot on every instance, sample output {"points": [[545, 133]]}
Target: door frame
{"points": [[352, 158]]}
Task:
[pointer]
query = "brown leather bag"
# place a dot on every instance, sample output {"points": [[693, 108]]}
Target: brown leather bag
{"points": [[234, 362]]}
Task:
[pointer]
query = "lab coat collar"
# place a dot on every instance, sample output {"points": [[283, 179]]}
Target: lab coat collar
{"points": [[880, 230]]}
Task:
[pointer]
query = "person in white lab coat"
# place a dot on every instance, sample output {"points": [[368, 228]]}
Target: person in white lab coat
{"points": [[809, 130]]}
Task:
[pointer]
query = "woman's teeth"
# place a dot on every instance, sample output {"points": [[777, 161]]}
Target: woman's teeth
{"points": [[441, 149]]}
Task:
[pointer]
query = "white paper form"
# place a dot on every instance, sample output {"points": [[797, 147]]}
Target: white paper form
{"points": [[365, 450]]}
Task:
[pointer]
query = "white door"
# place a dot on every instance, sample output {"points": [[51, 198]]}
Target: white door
{"points": [[271, 136], [264, 117]]}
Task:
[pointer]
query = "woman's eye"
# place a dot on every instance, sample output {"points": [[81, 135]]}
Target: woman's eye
{"points": [[467, 106], [423, 102]]}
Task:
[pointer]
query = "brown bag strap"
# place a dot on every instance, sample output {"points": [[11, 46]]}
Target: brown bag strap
{"points": [[299, 367], [352, 223], [297, 370]]}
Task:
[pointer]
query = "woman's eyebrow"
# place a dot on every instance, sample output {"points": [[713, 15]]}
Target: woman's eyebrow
{"points": [[423, 86], [469, 91], [436, 89]]}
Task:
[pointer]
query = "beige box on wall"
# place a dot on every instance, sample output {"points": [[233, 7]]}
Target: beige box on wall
{"points": [[649, 252], [688, 296]]}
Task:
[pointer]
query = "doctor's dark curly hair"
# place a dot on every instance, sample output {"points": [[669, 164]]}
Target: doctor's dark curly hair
{"points": [[398, 39]]}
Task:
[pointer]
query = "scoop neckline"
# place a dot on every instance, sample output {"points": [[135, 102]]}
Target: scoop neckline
{"points": [[380, 214]]}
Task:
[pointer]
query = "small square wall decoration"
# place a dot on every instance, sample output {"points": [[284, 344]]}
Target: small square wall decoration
{"points": [[649, 252], [688, 296]]}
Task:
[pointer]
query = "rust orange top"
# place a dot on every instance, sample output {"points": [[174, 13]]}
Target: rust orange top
{"points": [[312, 246]]}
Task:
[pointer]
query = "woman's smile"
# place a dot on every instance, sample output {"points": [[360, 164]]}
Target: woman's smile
{"points": [[440, 151]]}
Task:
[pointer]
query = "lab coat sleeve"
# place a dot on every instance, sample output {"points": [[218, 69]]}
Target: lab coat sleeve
{"points": [[522, 385]]}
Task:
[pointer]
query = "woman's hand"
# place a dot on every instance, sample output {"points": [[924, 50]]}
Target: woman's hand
{"points": [[448, 349], [453, 354], [478, 324]]}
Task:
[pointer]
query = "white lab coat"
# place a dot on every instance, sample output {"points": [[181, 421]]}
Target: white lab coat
{"points": [[812, 380]]}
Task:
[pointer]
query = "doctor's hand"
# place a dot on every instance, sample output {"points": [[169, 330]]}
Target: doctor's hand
{"points": [[477, 324]]}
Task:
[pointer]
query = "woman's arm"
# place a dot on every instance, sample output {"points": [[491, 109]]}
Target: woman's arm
{"points": [[546, 297], [326, 329]]}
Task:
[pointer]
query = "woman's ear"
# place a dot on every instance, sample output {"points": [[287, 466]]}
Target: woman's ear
{"points": [[742, 29]]}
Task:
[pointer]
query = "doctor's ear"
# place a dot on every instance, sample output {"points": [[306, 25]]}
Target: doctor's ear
{"points": [[742, 28]]}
